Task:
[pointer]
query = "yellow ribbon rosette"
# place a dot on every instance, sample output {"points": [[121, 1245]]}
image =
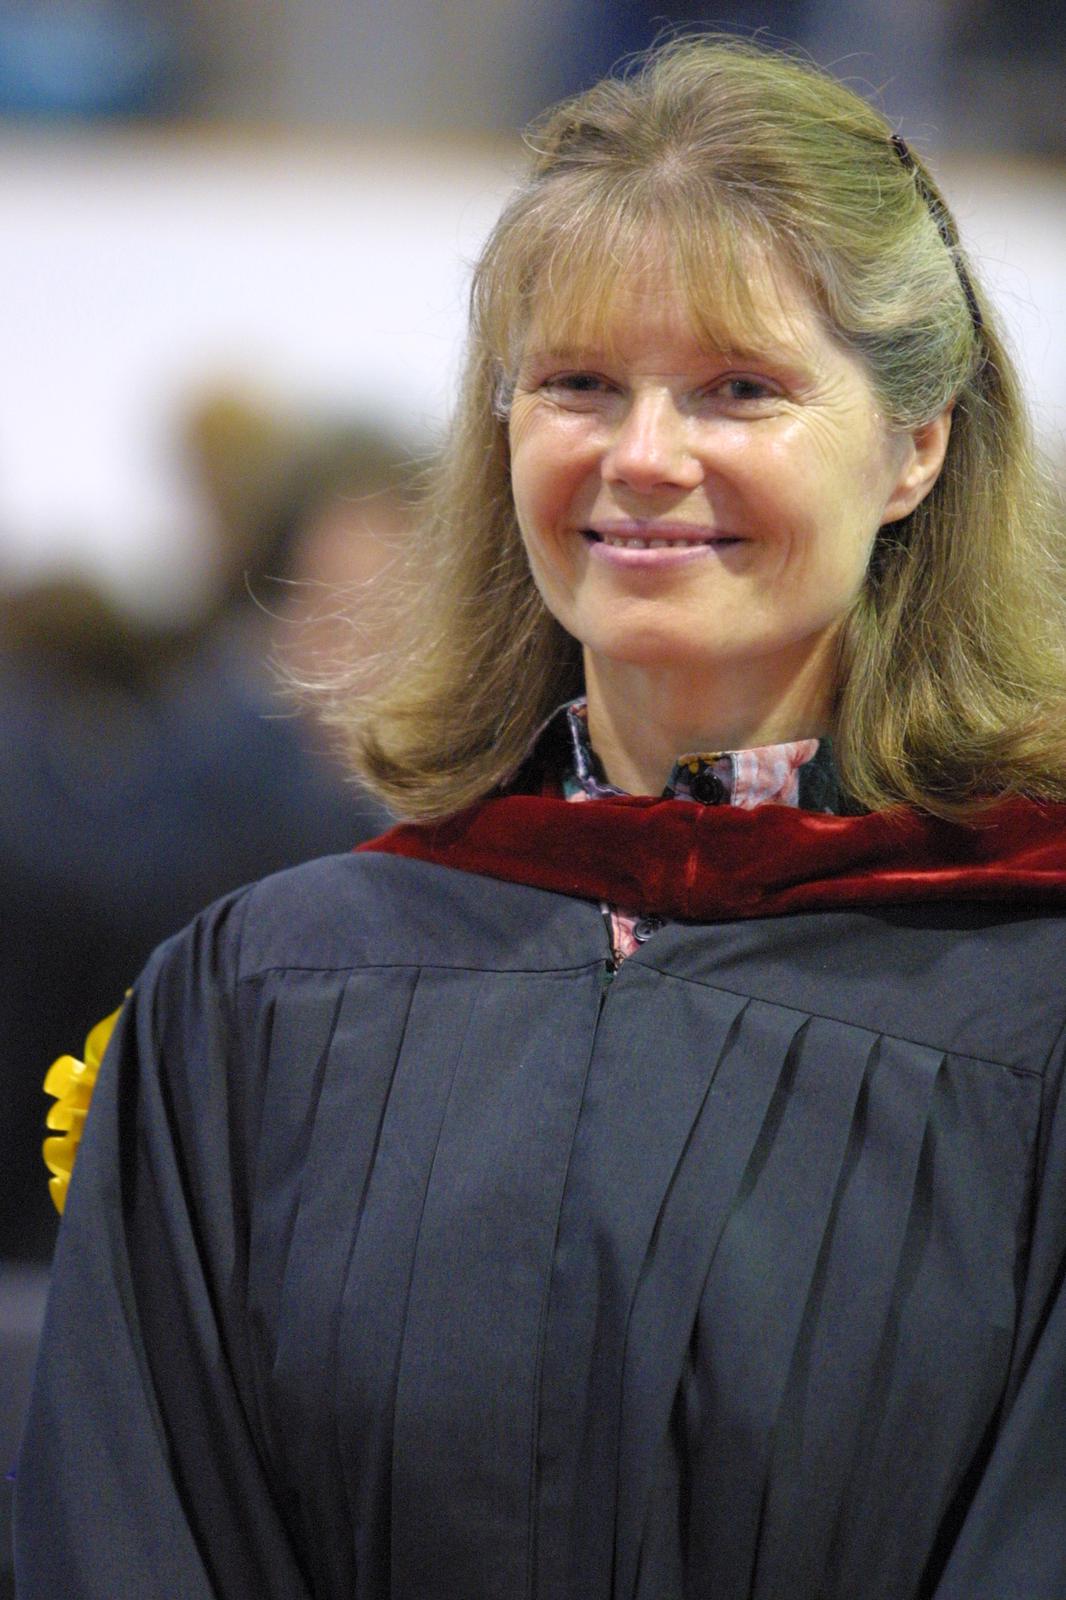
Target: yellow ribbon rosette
{"points": [[71, 1082]]}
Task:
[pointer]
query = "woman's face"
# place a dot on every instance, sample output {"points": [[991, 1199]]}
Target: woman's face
{"points": [[695, 508]]}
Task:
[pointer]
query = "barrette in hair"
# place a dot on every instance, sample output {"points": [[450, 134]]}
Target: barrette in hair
{"points": [[944, 225]]}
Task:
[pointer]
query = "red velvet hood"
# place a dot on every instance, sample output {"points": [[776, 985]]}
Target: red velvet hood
{"points": [[676, 858]]}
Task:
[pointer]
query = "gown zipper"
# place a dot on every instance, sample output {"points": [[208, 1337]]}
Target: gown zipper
{"points": [[611, 964]]}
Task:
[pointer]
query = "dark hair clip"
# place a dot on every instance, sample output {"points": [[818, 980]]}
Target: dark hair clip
{"points": [[944, 224], [902, 149]]}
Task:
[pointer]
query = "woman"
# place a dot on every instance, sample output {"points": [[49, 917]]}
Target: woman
{"points": [[659, 1196]]}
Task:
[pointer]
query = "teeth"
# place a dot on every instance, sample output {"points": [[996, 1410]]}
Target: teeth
{"points": [[651, 544]]}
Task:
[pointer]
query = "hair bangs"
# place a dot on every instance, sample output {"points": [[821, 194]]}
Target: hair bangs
{"points": [[580, 264]]}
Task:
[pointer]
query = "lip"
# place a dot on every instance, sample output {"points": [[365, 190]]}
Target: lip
{"points": [[656, 543]]}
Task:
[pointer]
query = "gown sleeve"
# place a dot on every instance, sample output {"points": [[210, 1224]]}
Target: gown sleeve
{"points": [[1012, 1539], [142, 1473]]}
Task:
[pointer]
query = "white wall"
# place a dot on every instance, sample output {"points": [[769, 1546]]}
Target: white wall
{"points": [[137, 271]]}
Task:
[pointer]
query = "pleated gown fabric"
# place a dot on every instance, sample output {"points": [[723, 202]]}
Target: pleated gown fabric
{"points": [[412, 1254]]}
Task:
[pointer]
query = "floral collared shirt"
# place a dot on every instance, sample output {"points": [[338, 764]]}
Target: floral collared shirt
{"points": [[797, 774]]}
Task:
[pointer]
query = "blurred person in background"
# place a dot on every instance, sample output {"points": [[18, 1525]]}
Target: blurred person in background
{"points": [[639, 1176], [339, 529]]}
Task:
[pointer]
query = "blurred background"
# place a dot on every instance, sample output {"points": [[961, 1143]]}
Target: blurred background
{"points": [[235, 249]]}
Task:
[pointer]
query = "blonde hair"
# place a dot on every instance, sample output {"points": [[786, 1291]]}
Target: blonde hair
{"points": [[952, 677]]}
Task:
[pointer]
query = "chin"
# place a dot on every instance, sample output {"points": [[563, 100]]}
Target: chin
{"points": [[655, 651], [636, 636]]}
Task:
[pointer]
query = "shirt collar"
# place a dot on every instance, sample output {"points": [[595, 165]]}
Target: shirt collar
{"points": [[799, 773]]}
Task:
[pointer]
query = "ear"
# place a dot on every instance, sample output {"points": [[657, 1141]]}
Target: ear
{"points": [[924, 452]]}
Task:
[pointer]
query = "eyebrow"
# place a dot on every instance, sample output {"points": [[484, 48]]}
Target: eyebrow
{"points": [[582, 355]]}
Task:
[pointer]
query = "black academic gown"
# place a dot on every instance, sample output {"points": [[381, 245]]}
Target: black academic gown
{"points": [[409, 1253]]}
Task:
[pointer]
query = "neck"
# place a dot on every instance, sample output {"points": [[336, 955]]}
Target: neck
{"points": [[641, 719]]}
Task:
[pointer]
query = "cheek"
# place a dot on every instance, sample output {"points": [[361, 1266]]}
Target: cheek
{"points": [[839, 505], [529, 481], [544, 486], [552, 456], [554, 581], [532, 491], [838, 558]]}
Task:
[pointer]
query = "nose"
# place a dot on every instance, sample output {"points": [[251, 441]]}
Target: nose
{"points": [[650, 447]]}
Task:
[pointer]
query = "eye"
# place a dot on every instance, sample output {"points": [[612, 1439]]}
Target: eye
{"points": [[576, 383], [744, 389]]}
